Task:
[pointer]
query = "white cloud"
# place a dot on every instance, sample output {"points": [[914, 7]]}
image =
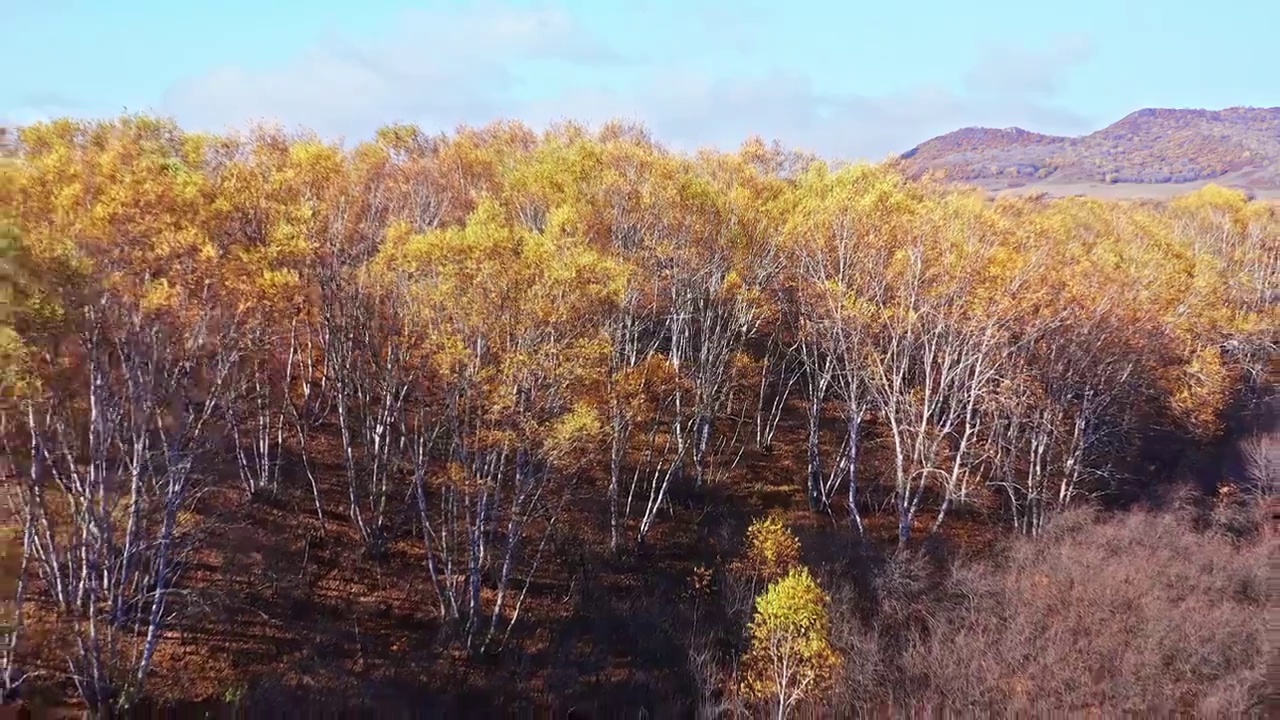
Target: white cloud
{"points": [[1017, 71], [437, 68], [441, 68], [41, 107]]}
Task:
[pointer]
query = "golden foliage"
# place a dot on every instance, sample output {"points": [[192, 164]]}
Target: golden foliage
{"points": [[1203, 391], [790, 656], [12, 349], [536, 279], [772, 549], [497, 232]]}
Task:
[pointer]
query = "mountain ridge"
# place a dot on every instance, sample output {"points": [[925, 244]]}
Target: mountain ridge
{"points": [[1173, 147]]}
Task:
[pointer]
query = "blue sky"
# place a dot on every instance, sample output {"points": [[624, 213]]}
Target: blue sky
{"points": [[845, 79]]}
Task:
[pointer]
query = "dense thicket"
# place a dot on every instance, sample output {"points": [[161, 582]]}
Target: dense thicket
{"points": [[483, 327]]}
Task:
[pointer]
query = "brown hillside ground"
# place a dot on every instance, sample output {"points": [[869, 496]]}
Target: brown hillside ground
{"points": [[281, 608]]}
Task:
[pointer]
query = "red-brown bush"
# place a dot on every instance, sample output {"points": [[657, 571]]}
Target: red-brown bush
{"points": [[1136, 612]]}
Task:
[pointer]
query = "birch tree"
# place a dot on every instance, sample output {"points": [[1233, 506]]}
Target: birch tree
{"points": [[132, 349], [509, 321]]}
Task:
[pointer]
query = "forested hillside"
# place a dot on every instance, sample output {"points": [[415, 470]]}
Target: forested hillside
{"points": [[567, 420]]}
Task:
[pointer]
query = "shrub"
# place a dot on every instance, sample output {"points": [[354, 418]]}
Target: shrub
{"points": [[1136, 613]]}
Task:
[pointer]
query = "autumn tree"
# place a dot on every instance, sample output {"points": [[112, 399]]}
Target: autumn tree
{"points": [[506, 321], [598, 189], [265, 221], [132, 340], [772, 549], [831, 235], [790, 657], [10, 259], [901, 285], [13, 535], [1239, 241]]}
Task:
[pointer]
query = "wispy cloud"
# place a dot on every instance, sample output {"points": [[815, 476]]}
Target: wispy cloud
{"points": [[440, 68], [437, 67], [41, 106], [1015, 71]]}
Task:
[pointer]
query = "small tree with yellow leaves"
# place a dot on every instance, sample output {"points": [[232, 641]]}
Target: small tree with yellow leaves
{"points": [[772, 549], [791, 656]]}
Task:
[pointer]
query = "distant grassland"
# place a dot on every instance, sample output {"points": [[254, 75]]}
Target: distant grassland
{"points": [[1127, 191]]}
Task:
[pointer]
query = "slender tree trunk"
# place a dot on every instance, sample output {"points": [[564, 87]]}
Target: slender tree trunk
{"points": [[701, 439], [942, 513], [855, 433], [816, 500], [8, 682], [615, 473]]}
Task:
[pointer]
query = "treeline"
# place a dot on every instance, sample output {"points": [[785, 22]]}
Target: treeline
{"points": [[488, 322]]}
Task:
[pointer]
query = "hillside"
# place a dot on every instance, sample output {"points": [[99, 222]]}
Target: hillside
{"points": [[1147, 151]]}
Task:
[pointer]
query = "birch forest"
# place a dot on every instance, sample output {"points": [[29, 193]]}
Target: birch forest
{"points": [[567, 419]]}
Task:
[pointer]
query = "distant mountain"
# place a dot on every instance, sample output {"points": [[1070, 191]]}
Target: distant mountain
{"points": [[1158, 147]]}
